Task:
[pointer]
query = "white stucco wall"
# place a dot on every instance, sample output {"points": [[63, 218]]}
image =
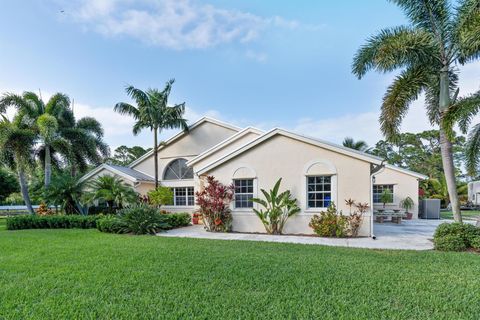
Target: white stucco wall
{"points": [[288, 158], [403, 186]]}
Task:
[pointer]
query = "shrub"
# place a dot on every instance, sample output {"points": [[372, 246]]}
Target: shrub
{"points": [[330, 223], [161, 197], [51, 222], [278, 208], [475, 243], [110, 224], [214, 201], [450, 242], [177, 220], [447, 231], [44, 210], [142, 219]]}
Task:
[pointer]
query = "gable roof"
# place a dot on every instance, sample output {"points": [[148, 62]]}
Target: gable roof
{"points": [[313, 141], [224, 143], [183, 133], [125, 172]]}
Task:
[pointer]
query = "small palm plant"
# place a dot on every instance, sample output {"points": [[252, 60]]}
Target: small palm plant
{"points": [[386, 197], [407, 204], [278, 208], [113, 191]]}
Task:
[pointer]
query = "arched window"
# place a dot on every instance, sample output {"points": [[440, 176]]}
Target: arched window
{"points": [[178, 170]]}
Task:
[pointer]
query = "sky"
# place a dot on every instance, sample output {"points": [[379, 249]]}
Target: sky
{"points": [[251, 63]]}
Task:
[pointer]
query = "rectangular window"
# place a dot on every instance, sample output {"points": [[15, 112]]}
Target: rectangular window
{"points": [[378, 190], [319, 191], [243, 193], [183, 196]]}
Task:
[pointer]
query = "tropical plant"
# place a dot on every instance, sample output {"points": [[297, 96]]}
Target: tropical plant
{"points": [[67, 192], [330, 223], [142, 219], [112, 190], [359, 145], [16, 152], [440, 37], [161, 197], [214, 202], [152, 112], [14, 198], [278, 207], [8, 184], [407, 204]]}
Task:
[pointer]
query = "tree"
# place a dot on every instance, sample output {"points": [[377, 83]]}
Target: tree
{"points": [[359, 145], [112, 190], [67, 192], [8, 184], [152, 112], [427, 51], [42, 118], [124, 155], [16, 152]]}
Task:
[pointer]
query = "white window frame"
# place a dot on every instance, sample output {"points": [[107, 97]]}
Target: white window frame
{"points": [[307, 192], [248, 193], [187, 196], [376, 193]]}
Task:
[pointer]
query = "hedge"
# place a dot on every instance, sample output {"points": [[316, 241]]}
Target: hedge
{"points": [[52, 222], [456, 237]]}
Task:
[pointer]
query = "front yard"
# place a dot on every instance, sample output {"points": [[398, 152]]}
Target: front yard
{"points": [[53, 274]]}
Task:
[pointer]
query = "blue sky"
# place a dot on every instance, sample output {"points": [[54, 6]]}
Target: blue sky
{"points": [[261, 63]]}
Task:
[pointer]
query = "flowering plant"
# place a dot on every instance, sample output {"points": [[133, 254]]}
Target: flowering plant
{"points": [[214, 201]]}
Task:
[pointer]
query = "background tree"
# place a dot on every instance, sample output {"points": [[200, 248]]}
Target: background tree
{"points": [[8, 184], [67, 192], [152, 112], [16, 152], [441, 35], [124, 155], [113, 191], [359, 145]]}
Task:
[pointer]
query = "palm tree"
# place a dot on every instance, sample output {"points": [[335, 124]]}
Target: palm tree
{"points": [[152, 112], [359, 145], [43, 119], [67, 192], [439, 37], [112, 190], [16, 151]]}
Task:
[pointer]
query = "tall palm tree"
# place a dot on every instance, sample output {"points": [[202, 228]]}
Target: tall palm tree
{"points": [[359, 145], [440, 36], [43, 118], [152, 112], [16, 151]]}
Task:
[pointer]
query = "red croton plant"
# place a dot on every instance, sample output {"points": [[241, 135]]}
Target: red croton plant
{"points": [[214, 201]]}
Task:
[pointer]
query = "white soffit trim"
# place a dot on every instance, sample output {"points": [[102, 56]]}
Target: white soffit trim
{"points": [[224, 143], [182, 133], [105, 166]]}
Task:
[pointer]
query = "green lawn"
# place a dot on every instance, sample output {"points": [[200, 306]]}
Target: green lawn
{"points": [[466, 214], [73, 274]]}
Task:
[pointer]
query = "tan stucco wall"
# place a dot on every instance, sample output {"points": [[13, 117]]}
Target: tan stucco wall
{"points": [[141, 188], [403, 186], [227, 149], [199, 139], [288, 158]]}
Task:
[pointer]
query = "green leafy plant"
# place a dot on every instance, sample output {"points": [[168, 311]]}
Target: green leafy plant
{"points": [[177, 220], [162, 196], [112, 190], [278, 208], [447, 236], [407, 204], [330, 223], [386, 197], [110, 224], [51, 222], [142, 219]]}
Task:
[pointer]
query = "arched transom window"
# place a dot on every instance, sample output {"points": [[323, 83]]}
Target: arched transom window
{"points": [[178, 170]]}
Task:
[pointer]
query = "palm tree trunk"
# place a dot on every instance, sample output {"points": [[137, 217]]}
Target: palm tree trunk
{"points": [[446, 146], [24, 190], [48, 166], [155, 155]]}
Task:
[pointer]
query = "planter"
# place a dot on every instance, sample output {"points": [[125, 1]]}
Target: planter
{"points": [[409, 216], [195, 220]]}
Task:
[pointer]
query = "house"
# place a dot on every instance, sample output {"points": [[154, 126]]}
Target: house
{"points": [[317, 172], [474, 192]]}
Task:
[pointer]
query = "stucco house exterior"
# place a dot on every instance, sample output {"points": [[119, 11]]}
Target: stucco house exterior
{"points": [[317, 172]]}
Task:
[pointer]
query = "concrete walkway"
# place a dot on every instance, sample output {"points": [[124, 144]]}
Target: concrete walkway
{"points": [[410, 235]]}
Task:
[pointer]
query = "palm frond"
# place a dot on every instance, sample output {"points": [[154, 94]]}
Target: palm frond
{"points": [[57, 103], [472, 150], [463, 112], [467, 29], [91, 125], [125, 108]]}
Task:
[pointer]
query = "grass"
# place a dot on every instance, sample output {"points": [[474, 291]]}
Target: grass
{"points": [[78, 274], [466, 214]]}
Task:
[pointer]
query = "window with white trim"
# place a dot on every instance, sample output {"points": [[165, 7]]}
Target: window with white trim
{"points": [[178, 170], [243, 193], [183, 196], [378, 189], [319, 191]]}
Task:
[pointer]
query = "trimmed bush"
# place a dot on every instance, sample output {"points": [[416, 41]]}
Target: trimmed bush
{"points": [[451, 242], [51, 222], [475, 243], [448, 235], [110, 224], [177, 220]]}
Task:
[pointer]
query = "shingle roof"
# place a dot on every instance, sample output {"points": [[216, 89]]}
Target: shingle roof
{"points": [[133, 173]]}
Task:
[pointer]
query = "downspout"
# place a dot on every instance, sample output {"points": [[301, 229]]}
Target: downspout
{"points": [[374, 170]]}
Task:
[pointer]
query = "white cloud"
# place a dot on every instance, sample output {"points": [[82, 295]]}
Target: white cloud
{"points": [[256, 56], [177, 24]]}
